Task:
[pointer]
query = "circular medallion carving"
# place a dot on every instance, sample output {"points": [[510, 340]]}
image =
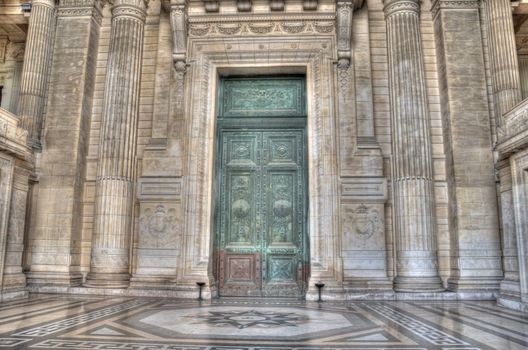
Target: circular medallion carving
{"points": [[240, 208], [282, 208]]}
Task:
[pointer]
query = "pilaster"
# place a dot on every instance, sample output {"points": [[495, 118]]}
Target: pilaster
{"points": [[116, 170], [476, 264], [416, 246], [159, 189], [55, 245], [34, 83]]}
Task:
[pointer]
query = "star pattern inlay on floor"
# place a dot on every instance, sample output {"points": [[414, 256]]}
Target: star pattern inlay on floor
{"points": [[250, 318]]}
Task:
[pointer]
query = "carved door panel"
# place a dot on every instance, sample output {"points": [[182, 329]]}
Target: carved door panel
{"points": [[239, 194], [261, 192], [283, 209]]}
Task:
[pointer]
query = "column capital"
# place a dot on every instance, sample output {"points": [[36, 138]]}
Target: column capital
{"points": [[355, 4], [136, 9], [81, 8], [397, 6], [49, 3], [438, 5]]}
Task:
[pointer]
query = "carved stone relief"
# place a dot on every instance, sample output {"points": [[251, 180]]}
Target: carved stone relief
{"points": [[158, 227], [362, 227]]}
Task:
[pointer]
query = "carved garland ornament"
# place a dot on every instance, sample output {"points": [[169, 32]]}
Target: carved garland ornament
{"points": [[261, 28]]}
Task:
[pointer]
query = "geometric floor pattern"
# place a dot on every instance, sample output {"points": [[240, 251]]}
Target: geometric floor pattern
{"points": [[109, 323]]}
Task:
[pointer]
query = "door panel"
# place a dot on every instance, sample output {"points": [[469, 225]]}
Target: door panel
{"points": [[239, 270], [262, 207]]}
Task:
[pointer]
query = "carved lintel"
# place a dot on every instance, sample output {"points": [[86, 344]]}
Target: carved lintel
{"points": [[345, 11]]}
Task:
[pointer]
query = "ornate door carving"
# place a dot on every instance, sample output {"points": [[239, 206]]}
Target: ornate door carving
{"points": [[260, 242]]}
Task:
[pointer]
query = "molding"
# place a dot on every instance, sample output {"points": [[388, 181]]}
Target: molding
{"points": [[206, 19], [454, 5], [361, 189], [159, 188]]}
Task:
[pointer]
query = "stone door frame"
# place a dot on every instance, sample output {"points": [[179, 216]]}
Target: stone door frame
{"points": [[311, 55]]}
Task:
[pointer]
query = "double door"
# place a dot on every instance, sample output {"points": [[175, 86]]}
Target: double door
{"points": [[260, 213]]}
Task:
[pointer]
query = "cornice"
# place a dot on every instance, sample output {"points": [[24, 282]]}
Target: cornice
{"points": [[453, 5]]}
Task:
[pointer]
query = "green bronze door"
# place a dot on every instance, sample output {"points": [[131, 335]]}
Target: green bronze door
{"points": [[260, 243]]}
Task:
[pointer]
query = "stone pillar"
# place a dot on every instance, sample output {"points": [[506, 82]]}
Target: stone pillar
{"points": [[34, 83], [503, 54], [507, 93], [417, 267], [476, 266], [55, 242], [117, 148]]}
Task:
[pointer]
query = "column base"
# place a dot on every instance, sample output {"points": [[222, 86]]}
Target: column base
{"points": [[484, 285], [418, 284], [368, 285], [59, 279], [107, 280], [8, 295], [151, 282]]}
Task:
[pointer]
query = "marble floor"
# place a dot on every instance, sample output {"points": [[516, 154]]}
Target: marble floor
{"points": [[103, 323]]}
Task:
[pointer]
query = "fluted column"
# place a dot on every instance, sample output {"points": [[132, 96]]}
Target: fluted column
{"points": [[507, 93], [117, 154], [503, 54], [33, 86], [412, 159]]}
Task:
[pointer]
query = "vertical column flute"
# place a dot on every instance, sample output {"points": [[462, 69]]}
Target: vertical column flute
{"points": [[38, 53], [417, 268], [117, 153]]}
